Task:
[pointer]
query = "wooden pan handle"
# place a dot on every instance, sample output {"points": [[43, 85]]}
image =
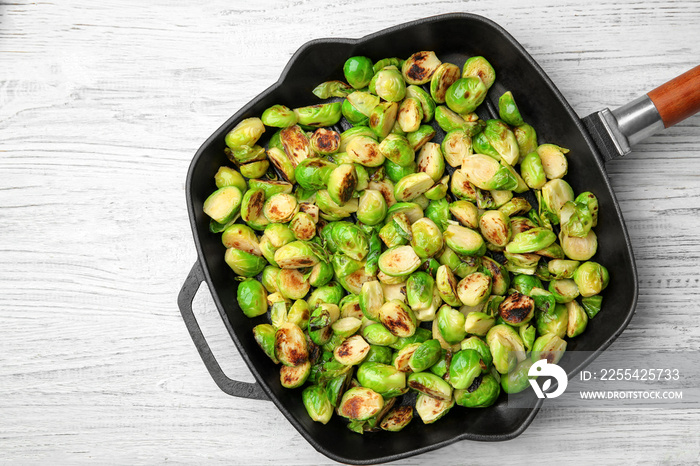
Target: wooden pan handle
{"points": [[679, 98]]}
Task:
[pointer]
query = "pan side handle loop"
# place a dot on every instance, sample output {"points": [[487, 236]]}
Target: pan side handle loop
{"points": [[184, 301]]}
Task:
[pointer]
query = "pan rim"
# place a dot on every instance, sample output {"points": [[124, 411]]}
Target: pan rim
{"points": [[201, 257]]}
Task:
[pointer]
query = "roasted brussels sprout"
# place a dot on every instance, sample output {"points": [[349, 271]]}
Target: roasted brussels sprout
{"points": [[427, 103], [431, 409], [482, 393], [358, 71], [506, 347], [443, 77], [465, 94], [591, 278], [419, 67], [389, 85], [450, 323], [481, 68]]}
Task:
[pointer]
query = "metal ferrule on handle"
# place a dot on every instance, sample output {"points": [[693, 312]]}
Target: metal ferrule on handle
{"points": [[632, 123]]}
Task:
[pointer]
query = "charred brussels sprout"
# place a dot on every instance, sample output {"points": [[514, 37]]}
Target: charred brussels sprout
{"points": [[399, 261], [495, 227], [474, 289], [341, 183], [465, 94], [578, 319], [426, 238], [411, 186], [481, 68], [419, 67], [431, 385], [563, 290], [398, 318], [397, 419], [383, 118], [431, 409], [443, 77], [360, 404], [517, 309], [325, 141], [365, 151], [397, 149], [244, 263]]}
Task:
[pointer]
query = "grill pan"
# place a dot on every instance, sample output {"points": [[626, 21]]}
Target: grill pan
{"points": [[454, 37]]}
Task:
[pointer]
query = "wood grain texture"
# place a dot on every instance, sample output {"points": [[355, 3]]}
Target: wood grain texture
{"points": [[679, 98], [103, 104]]}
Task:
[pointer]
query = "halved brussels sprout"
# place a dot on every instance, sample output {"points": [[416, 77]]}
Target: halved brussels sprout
{"points": [[495, 227], [245, 133], [269, 278], [517, 309], [578, 319], [350, 240], [352, 351], [431, 385], [295, 255], [245, 154], [562, 268], [382, 378], [351, 133], [474, 289], [397, 149], [360, 404], [553, 160], [299, 314], [427, 103], [580, 249], [419, 67], [450, 324], [365, 151], [264, 335], [486, 173], [443, 77], [372, 207], [508, 110], [280, 208], [371, 299], [398, 318], [410, 115], [399, 261], [527, 139], [555, 321], [224, 203], [412, 186], [389, 84], [341, 183], [425, 355], [403, 356], [438, 191], [591, 202], [330, 89], [296, 144], [464, 241], [500, 279], [563, 290], [294, 377], [419, 137], [430, 409], [358, 71], [465, 94], [377, 334], [397, 418], [461, 187], [279, 116], [506, 347], [227, 176], [447, 286], [290, 345], [550, 347], [531, 240], [241, 237], [270, 188], [478, 323], [481, 68], [379, 354], [448, 121], [419, 290], [292, 284], [456, 145], [396, 172], [325, 141], [303, 226], [383, 118], [426, 238], [466, 213], [498, 140], [244, 263], [431, 161], [482, 393], [591, 278]]}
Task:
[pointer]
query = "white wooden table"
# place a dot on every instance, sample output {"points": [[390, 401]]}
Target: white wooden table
{"points": [[103, 104]]}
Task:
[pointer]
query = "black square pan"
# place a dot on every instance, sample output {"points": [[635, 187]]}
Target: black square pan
{"points": [[454, 37]]}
